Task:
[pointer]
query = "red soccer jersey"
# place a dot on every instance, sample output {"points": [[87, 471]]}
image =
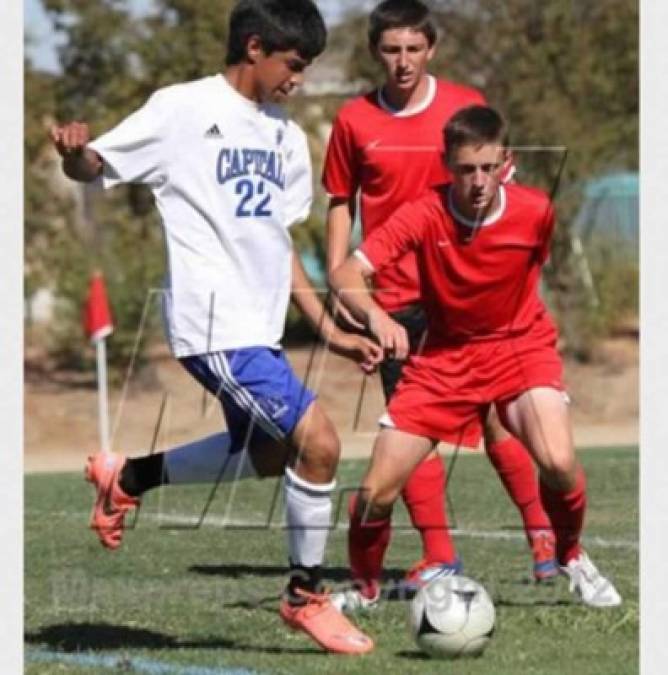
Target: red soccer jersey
{"points": [[477, 282], [392, 158]]}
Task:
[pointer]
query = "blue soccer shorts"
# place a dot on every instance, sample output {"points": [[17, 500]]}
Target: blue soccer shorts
{"points": [[261, 397]]}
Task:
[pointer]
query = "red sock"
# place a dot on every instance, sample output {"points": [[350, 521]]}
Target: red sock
{"points": [[367, 543], [424, 496], [566, 511], [517, 472]]}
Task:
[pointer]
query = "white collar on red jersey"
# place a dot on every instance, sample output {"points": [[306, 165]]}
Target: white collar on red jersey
{"points": [[491, 218], [414, 110]]}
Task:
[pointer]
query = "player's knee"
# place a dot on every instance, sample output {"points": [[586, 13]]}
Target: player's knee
{"points": [[321, 454], [328, 447], [560, 471], [368, 506], [384, 501], [380, 497]]}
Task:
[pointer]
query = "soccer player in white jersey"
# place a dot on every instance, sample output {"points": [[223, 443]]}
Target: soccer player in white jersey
{"points": [[230, 175]]}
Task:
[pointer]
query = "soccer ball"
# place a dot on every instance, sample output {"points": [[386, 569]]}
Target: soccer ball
{"points": [[452, 616]]}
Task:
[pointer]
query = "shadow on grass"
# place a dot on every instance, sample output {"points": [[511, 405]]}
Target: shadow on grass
{"points": [[421, 656], [538, 602], [392, 589], [413, 656], [337, 574], [78, 637]]}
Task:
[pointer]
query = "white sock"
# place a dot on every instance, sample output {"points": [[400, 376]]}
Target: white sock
{"points": [[208, 460], [308, 510]]}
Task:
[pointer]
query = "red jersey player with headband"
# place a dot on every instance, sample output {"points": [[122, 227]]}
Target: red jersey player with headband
{"points": [[479, 246], [388, 145]]}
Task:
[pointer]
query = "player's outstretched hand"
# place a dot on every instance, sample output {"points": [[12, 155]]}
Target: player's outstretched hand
{"points": [[71, 138], [358, 348], [391, 335], [79, 162]]}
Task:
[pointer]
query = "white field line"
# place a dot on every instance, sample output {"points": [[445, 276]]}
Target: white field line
{"points": [[169, 521]]}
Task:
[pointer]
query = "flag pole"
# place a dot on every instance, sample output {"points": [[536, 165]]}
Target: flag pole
{"points": [[98, 325], [102, 395]]}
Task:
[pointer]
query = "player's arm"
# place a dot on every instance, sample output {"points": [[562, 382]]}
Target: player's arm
{"points": [[79, 162], [340, 178], [350, 281], [546, 234], [340, 215], [357, 347]]}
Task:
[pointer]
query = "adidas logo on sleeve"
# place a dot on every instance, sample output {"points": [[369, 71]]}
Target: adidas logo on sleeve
{"points": [[213, 132]]}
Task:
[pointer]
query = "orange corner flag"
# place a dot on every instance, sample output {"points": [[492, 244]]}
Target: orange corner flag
{"points": [[97, 316]]}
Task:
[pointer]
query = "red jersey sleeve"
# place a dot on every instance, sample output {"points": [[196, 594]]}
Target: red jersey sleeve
{"points": [[402, 232], [340, 172], [547, 230]]}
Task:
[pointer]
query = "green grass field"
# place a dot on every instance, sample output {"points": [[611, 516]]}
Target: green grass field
{"points": [[180, 599]]}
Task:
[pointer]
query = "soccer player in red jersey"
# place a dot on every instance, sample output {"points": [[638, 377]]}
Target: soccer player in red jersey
{"points": [[479, 247], [388, 145]]}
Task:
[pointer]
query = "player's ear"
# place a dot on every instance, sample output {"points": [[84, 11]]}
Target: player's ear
{"points": [[254, 48]]}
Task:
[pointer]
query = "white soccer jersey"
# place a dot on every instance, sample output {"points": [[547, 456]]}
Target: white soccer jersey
{"points": [[229, 177]]}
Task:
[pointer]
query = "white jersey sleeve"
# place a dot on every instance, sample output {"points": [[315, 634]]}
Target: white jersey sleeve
{"points": [[299, 180], [136, 150]]}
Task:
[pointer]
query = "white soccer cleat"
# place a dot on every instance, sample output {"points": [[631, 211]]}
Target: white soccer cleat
{"points": [[351, 601], [589, 584]]}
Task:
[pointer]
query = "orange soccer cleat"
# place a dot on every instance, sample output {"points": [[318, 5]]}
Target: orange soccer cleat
{"points": [[111, 503], [323, 622]]}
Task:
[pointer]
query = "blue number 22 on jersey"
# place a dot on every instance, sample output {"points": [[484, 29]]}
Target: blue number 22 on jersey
{"points": [[250, 192]]}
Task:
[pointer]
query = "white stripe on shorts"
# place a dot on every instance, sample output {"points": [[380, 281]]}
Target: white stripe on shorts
{"points": [[217, 361]]}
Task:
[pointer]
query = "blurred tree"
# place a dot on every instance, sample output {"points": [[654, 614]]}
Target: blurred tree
{"points": [[96, 59], [98, 85], [40, 213], [187, 41], [63, 245]]}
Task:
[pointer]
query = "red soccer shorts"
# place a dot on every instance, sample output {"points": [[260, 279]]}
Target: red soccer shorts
{"points": [[445, 392]]}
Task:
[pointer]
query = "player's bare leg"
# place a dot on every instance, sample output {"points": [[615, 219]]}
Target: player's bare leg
{"points": [[517, 472], [308, 486], [395, 455], [121, 482], [316, 446], [540, 417], [424, 493]]}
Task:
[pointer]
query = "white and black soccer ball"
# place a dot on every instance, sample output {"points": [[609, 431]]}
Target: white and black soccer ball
{"points": [[452, 616]]}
